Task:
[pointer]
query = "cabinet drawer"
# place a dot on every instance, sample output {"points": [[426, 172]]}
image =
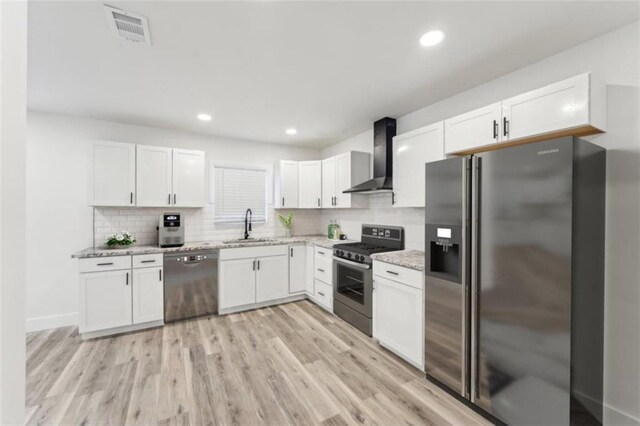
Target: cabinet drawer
{"points": [[111, 263], [410, 277], [324, 294], [324, 252], [251, 252], [147, 260], [323, 269]]}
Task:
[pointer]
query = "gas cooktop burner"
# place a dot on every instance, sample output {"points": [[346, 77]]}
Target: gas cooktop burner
{"points": [[376, 239]]}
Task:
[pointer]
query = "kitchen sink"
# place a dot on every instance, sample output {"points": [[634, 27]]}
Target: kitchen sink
{"points": [[247, 240]]}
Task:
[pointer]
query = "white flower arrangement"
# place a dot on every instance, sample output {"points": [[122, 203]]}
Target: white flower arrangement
{"points": [[123, 239]]}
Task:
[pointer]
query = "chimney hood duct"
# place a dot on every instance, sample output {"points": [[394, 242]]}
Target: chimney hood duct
{"points": [[383, 132]]}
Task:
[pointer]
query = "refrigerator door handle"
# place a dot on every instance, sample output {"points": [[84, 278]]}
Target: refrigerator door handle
{"points": [[475, 284], [465, 282]]}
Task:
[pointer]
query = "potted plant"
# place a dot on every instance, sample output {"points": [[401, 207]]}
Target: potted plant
{"points": [[287, 222], [121, 240]]}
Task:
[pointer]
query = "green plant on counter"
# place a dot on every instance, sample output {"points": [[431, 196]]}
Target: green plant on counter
{"points": [[123, 239], [287, 221]]}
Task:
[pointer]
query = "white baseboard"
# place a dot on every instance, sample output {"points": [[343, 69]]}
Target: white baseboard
{"points": [[53, 321]]}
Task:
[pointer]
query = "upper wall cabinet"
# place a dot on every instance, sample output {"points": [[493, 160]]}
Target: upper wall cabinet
{"points": [[286, 187], [154, 167], [310, 184], [188, 178], [140, 175], [112, 179], [570, 104], [342, 172], [474, 129], [575, 106], [410, 153]]}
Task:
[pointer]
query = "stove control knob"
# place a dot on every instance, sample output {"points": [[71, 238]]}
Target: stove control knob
{"points": [[349, 255], [341, 252], [359, 257]]}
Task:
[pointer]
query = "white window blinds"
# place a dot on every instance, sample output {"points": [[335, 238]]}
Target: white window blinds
{"points": [[238, 188]]}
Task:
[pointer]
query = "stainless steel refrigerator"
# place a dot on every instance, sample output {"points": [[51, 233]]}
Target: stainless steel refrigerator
{"points": [[514, 273]]}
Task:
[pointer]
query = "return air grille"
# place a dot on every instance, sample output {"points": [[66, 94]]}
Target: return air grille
{"points": [[128, 26]]}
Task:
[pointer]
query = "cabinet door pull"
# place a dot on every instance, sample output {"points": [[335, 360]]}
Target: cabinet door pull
{"points": [[318, 202], [505, 126], [320, 252], [321, 270], [131, 198], [148, 261], [258, 265], [169, 200], [393, 198], [175, 198], [392, 272], [160, 274], [282, 201], [495, 129], [320, 293], [254, 265], [105, 264], [127, 282], [291, 250]]}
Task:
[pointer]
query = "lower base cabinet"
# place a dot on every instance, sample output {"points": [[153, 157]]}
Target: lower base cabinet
{"points": [[250, 276], [105, 300], [148, 295], [398, 319], [324, 295], [297, 268]]}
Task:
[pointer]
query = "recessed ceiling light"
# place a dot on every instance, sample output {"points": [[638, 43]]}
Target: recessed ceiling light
{"points": [[291, 131], [204, 117], [431, 38]]}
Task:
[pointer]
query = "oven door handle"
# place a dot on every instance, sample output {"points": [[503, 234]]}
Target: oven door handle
{"points": [[352, 263]]}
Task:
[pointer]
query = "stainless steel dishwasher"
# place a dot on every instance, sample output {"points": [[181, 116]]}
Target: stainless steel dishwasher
{"points": [[190, 284]]}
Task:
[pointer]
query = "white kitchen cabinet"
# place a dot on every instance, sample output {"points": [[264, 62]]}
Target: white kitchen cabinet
{"points": [[309, 270], [148, 295], [286, 184], [474, 129], [310, 184], [575, 106], [237, 283], [297, 268], [272, 281], [112, 180], [398, 318], [188, 178], [343, 172], [328, 182], [567, 104], [154, 181], [105, 300], [324, 295], [411, 151]]}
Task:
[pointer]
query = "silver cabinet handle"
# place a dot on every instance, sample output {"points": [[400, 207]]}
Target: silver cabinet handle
{"points": [[127, 282], [318, 202], [291, 249], [169, 200], [131, 198], [282, 201], [392, 273], [148, 261], [105, 264], [175, 198], [320, 252], [321, 270], [160, 274], [258, 265], [320, 293], [254, 266]]}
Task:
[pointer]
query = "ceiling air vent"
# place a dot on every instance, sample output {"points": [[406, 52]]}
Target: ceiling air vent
{"points": [[128, 26]]}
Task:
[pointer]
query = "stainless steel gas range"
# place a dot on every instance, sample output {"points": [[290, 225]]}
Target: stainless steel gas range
{"points": [[353, 275]]}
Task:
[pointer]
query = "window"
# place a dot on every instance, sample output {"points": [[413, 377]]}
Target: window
{"points": [[238, 188]]}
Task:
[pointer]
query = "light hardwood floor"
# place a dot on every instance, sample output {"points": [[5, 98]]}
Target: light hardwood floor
{"points": [[289, 364]]}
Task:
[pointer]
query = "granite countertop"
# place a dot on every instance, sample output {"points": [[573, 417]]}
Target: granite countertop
{"points": [[413, 259], [316, 240]]}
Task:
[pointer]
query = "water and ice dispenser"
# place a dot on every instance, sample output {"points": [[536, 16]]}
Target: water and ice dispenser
{"points": [[443, 251]]}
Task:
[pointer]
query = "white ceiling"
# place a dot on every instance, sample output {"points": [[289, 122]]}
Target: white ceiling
{"points": [[328, 69]]}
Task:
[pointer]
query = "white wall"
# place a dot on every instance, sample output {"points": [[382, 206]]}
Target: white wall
{"points": [[613, 58], [13, 109], [59, 221]]}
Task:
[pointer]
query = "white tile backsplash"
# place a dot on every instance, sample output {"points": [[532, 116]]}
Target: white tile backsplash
{"points": [[199, 224]]}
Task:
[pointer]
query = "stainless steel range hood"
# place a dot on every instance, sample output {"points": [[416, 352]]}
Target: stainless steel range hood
{"points": [[383, 132]]}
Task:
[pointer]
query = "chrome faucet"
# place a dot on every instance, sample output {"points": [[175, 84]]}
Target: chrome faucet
{"points": [[247, 223]]}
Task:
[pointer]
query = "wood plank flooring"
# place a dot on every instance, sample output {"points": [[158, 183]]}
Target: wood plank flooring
{"points": [[288, 364]]}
